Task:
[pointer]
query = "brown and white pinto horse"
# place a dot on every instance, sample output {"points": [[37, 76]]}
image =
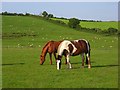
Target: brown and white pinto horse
{"points": [[73, 48], [51, 48]]}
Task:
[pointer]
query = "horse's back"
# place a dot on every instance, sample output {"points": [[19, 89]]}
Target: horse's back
{"points": [[53, 46], [74, 47]]}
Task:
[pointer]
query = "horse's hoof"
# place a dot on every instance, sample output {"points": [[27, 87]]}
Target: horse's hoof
{"points": [[89, 67], [50, 63], [69, 67], [82, 67]]}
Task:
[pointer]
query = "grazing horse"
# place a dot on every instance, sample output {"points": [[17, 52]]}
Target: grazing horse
{"points": [[51, 48], [73, 48]]}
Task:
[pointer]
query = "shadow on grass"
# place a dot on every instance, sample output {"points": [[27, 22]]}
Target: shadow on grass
{"points": [[12, 64], [80, 62], [97, 66]]}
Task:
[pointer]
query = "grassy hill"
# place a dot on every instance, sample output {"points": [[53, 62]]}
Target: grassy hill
{"points": [[20, 60], [101, 25]]}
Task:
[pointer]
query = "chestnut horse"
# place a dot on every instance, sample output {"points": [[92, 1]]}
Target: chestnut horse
{"points": [[51, 48], [73, 48]]}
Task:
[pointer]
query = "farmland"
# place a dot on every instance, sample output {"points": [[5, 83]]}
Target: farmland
{"points": [[101, 25], [23, 40]]}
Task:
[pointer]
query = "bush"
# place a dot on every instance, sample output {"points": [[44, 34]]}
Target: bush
{"points": [[73, 23], [20, 14], [112, 30], [27, 14], [50, 15], [45, 14], [58, 21]]}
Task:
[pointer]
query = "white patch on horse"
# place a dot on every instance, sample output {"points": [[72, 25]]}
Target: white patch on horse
{"points": [[68, 61], [76, 40], [87, 43], [58, 62], [64, 45]]}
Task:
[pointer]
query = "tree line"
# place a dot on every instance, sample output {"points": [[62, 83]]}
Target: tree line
{"points": [[14, 14]]}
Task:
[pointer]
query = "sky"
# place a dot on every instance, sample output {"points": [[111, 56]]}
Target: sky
{"points": [[104, 11]]}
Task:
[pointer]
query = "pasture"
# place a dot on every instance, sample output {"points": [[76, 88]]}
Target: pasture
{"points": [[101, 25], [23, 40]]}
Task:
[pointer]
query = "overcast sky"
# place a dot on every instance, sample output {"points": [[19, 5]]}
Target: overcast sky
{"points": [[105, 11]]}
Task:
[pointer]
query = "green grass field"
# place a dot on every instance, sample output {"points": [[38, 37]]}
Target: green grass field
{"points": [[101, 25], [20, 62]]}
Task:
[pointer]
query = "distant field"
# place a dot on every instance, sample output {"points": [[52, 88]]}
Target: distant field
{"points": [[101, 25], [20, 61]]}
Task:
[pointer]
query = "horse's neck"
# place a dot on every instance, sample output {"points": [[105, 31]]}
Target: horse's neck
{"points": [[44, 51]]}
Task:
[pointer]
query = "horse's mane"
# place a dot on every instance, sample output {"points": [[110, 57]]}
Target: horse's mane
{"points": [[49, 43], [46, 45]]}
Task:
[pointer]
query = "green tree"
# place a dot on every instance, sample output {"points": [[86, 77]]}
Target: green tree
{"points": [[27, 14], [45, 14], [73, 23], [4, 13], [50, 15]]}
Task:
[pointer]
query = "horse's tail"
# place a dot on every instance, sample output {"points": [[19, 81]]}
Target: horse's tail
{"points": [[88, 52]]}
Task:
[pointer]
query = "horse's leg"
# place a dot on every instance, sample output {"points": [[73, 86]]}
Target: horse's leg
{"points": [[83, 58], [50, 58], [55, 57], [68, 62], [89, 64], [65, 59]]}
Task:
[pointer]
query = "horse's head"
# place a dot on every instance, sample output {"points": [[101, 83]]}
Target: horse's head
{"points": [[42, 59]]}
